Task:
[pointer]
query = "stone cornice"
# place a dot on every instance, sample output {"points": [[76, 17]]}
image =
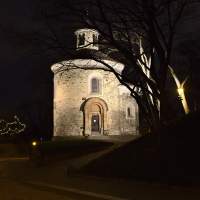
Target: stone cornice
{"points": [[86, 64]]}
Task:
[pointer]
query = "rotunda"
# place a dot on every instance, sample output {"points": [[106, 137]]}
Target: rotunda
{"points": [[88, 98]]}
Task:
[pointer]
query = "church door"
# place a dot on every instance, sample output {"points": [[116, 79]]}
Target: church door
{"points": [[95, 122]]}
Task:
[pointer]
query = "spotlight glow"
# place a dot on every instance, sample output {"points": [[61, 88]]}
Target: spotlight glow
{"points": [[34, 143], [180, 91]]}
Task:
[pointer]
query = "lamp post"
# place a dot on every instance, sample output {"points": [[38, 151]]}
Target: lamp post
{"points": [[180, 92], [180, 96]]}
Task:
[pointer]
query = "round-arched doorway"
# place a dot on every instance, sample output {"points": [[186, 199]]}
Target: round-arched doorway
{"points": [[95, 111]]}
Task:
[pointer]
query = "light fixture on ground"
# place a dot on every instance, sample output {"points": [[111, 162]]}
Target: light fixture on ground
{"points": [[34, 143]]}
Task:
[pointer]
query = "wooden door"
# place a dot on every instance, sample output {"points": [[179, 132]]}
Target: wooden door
{"points": [[95, 122]]}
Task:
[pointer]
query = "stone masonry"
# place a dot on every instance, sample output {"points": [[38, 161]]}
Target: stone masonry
{"points": [[88, 99]]}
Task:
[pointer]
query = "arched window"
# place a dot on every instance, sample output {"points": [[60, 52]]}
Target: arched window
{"points": [[95, 85], [81, 39], [130, 111]]}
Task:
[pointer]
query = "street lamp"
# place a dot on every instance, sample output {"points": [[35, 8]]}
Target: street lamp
{"points": [[180, 96], [180, 91]]}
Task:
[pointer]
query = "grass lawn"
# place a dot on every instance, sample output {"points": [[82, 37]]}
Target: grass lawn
{"points": [[52, 151], [69, 145], [169, 155]]}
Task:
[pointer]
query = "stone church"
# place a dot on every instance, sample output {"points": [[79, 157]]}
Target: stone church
{"points": [[88, 99]]}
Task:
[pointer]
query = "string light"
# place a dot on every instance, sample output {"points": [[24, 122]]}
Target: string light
{"points": [[13, 127]]}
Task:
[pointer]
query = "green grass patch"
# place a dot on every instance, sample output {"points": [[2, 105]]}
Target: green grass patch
{"points": [[53, 151], [169, 155], [69, 145]]}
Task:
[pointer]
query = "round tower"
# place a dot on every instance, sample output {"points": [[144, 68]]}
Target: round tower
{"points": [[87, 96]]}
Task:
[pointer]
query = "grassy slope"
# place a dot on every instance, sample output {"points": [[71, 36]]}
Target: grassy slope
{"points": [[70, 146], [52, 151], [170, 155]]}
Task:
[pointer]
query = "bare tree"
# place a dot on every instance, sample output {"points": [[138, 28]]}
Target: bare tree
{"points": [[155, 22], [142, 32]]}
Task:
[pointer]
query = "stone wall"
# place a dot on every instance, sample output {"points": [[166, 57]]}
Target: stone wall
{"points": [[128, 124], [71, 91], [68, 98]]}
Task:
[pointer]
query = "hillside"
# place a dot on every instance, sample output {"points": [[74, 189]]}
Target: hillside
{"points": [[170, 155]]}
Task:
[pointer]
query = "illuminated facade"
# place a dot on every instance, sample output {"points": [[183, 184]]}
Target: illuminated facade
{"points": [[89, 100]]}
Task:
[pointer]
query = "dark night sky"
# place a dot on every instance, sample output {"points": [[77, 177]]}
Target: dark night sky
{"points": [[14, 70]]}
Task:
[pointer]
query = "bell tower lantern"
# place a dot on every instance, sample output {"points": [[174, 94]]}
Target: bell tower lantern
{"points": [[87, 39]]}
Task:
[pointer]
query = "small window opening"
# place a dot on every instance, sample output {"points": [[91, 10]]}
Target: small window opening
{"points": [[129, 112], [81, 39], [95, 85]]}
